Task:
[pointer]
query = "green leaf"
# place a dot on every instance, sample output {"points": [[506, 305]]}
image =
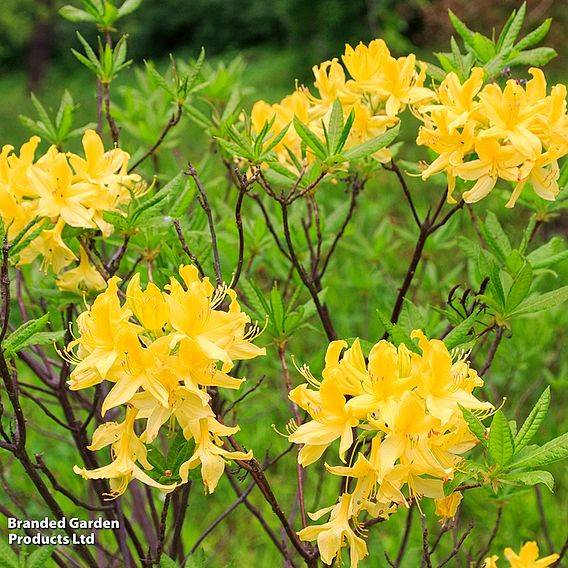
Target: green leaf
{"points": [[39, 557], [277, 309], [167, 562], [396, 333], [89, 51], [512, 28], [501, 445], [530, 478], [345, 132], [555, 450], [461, 333], [75, 14], [484, 47], [8, 558], [542, 302], [254, 298], [24, 336], [475, 425], [371, 146], [535, 36], [550, 254], [196, 560], [496, 237], [310, 139], [128, 7], [533, 421], [537, 57], [465, 33], [520, 288], [334, 127]]}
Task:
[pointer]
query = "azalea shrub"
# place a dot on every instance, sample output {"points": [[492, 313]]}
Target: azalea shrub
{"points": [[332, 318]]}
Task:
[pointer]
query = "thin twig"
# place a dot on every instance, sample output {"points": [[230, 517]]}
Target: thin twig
{"points": [[186, 249], [393, 167], [492, 536], [425, 547], [207, 209], [457, 546], [115, 133], [492, 351], [174, 119], [406, 534]]}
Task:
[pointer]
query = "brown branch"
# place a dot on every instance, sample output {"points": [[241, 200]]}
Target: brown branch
{"points": [[186, 249], [241, 499], [174, 119], [115, 133], [204, 203], [406, 534], [492, 536], [355, 190], [176, 545], [393, 167], [308, 282], [492, 351], [457, 546], [426, 560]]}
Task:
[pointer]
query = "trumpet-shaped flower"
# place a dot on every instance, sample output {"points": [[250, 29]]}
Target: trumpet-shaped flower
{"points": [[126, 451]]}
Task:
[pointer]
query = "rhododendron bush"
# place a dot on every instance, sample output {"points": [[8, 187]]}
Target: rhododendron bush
{"points": [[343, 312]]}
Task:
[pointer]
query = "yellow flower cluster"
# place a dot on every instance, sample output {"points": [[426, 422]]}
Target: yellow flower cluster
{"points": [[65, 189], [161, 349], [379, 88], [527, 558], [411, 431], [485, 133]]}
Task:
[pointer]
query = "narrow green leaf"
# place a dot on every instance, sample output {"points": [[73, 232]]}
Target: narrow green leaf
{"points": [[496, 237], [8, 558], [128, 7], [334, 127], [514, 29], [39, 557], [275, 140], [501, 445], [167, 562], [530, 478], [91, 66], [484, 47], [465, 33], [458, 58], [310, 139], [75, 14], [254, 299], [475, 426], [277, 309], [538, 57], [461, 333], [89, 51], [542, 302], [371, 146], [555, 450], [21, 337], [520, 288], [396, 333], [533, 421], [535, 36]]}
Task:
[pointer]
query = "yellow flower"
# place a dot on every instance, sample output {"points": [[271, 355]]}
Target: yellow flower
{"points": [[149, 307], [528, 557], [494, 161], [448, 506], [106, 336], [443, 384], [50, 245], [83, 278], [212, 458], [336, 533], [491, 562], [332, 419], [513, 109], [126, 450], [58, 196]]}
